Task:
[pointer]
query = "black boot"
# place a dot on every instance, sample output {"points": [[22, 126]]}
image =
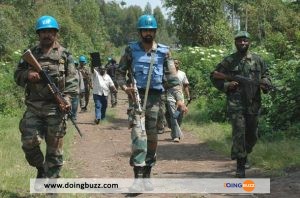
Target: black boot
{"points": [[137, 185], [40, 172], [240, 168], [247, 163], [147, 182], [53, 172]]}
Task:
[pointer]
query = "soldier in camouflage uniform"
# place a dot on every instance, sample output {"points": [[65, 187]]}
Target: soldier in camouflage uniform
{"points": [[137, 60], [243, 100], [86, 75], [42, 118], [111, 71]]}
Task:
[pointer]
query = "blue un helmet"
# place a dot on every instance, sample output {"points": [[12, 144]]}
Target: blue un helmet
{"points": [[46, 22], [82, 59], [147, 22]]}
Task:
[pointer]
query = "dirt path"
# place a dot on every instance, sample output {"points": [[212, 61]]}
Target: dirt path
{"points": [[104, 152]]}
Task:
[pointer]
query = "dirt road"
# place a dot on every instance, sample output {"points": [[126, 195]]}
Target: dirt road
{"points": [[104, 152]]}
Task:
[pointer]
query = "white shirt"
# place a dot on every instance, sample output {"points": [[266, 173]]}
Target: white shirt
{"points": [[101, 84], [81, 82], [182, 78]]}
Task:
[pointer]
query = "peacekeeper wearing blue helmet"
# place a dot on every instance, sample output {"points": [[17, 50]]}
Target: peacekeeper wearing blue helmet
{"points": [[137, 61], [42, 118], [86, 75]]}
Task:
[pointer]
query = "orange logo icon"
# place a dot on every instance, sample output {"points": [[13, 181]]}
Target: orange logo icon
{"points": [[248, 185]]}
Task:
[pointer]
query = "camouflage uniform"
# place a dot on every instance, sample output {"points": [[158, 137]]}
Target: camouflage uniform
{"points": [[85, 96], [162, 122], [144, 143], [111, 71], [42, 118], [243, 109]]}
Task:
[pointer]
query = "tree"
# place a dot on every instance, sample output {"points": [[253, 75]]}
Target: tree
{"points": [[162, 33], [148, 9], [113, 18], [10, 32], [196, 21], [129, 23], [87, 14]]}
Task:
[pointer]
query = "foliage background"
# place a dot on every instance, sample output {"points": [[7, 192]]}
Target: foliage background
{"points": [[200, 37]]}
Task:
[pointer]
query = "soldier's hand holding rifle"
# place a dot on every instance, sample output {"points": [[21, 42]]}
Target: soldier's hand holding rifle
{"points": [[33, 76], [37, 73], [233, 85]]}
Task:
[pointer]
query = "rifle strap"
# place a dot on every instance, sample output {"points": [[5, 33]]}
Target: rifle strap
{"points": [[149, 79]]}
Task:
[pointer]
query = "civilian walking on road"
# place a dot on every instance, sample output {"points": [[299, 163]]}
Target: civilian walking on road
{"points": [[102, 85]]}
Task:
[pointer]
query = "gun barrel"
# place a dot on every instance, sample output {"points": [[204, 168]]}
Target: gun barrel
{"points": [[74, 123]]}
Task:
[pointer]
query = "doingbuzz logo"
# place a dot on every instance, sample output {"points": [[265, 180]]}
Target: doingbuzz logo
{"points": [[247, 185]]}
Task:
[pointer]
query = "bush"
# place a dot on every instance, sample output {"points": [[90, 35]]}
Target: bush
{"points": [[11, 96], [10, 32], [285, 110], [293, 132], [278, 44]]}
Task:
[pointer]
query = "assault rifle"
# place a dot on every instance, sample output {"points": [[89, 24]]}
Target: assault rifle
{"points": [[136, 108], [238, 78], [137, 100], [59, 99], [250, 86]]}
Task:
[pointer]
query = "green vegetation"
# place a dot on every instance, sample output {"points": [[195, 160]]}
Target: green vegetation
{"points": [[15, 171], [201, 37], [279, 126], [281, 109], [274, 157]]}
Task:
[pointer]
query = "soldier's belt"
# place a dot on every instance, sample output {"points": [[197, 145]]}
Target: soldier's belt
{"points": [[151, 91]]}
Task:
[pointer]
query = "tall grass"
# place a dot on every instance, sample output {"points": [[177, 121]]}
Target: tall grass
{"points": [[273, 157], [14, 170]]}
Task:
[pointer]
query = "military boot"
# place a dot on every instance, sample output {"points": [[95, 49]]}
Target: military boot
{"points": [[53, 172], [240, 168], [41, 173], [137, 186], [147, 182], [247, 163]]}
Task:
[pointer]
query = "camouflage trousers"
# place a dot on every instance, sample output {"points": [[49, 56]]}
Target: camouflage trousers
{"points": [[114, 95], [144, 142], [84, 98], [36, 127], [244, 134]]}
